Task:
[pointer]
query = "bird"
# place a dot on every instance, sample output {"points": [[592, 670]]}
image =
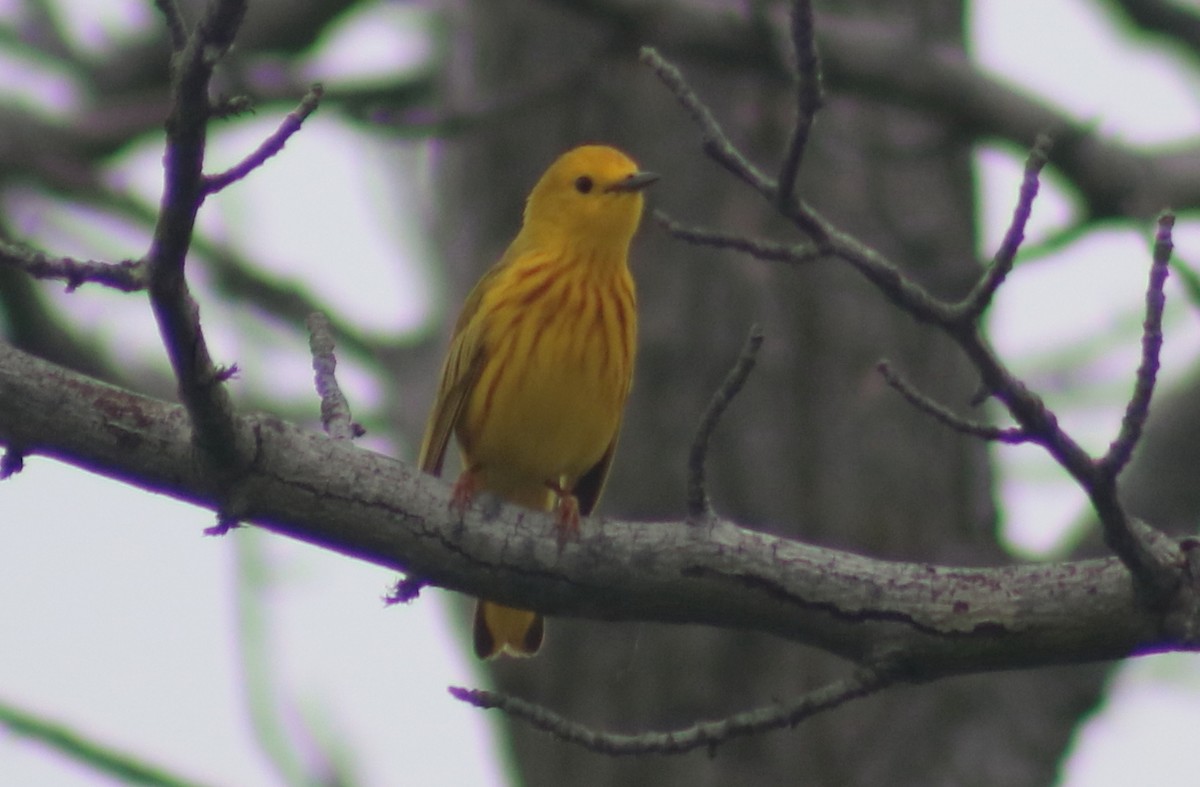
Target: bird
{"points": [[541, 360]]}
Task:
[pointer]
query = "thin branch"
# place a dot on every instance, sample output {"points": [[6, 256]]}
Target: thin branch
{"points": [[77, 747], [174, 21], [702, 735], [980, 297], [795, 254], [716, 143], [270, 146], [808, 99], [940, 413], [335, 410], [200, 381], [1138, 409], [235, 276], [699, 507], [1153, 571], [127, 275]]}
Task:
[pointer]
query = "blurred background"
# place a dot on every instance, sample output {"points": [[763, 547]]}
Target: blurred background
{"points": [[250, 660]]}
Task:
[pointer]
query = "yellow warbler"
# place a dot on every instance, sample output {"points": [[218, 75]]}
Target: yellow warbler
{"points": [[541, 361]]}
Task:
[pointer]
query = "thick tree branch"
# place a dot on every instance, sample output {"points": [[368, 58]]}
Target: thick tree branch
{"points": [[929, 620]]}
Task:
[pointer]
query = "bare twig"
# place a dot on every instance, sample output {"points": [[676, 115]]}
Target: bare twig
{"points": [[794, 254], [205, 398], [1152, 571], [980, 297], [335, 410], [716, 143], [175, 25], [1138, 408], [270, 146], [709, 734], [127, 275], [698, 504], [808, 100], [1011, 435]]}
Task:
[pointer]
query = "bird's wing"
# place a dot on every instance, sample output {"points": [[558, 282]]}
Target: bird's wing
{"points": [[459, 375], [589, 486]]}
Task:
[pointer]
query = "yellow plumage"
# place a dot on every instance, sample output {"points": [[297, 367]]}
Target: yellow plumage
{"points": [[541, 361]]}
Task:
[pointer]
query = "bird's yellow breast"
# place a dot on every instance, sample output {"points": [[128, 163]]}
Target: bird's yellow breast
{"points": [[550, 416]]}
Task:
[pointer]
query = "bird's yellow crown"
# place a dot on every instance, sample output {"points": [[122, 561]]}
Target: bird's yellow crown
{"points": [[589, 199]]}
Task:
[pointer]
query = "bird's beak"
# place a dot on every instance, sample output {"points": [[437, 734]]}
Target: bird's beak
{"points": [[635, 182]]}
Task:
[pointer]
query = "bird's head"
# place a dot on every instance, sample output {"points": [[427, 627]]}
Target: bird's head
{"points": [[590, 196]]}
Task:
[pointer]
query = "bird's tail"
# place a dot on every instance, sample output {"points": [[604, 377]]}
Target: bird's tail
{"points": [[500, 629]]}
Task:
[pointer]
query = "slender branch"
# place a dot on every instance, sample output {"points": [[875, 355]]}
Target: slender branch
{"points": [[795, 254], [702, 735], [808, 99], [1010, 435], [980, 297], [200, 381], [175, 25], [1155, 572], [698, 504], [71, 744], [127, 275], [716, 143], [270, 146], [1138, 409], [335, 410]]}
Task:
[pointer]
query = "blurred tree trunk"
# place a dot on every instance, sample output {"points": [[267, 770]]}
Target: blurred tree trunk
{"points": [[816, 445]]}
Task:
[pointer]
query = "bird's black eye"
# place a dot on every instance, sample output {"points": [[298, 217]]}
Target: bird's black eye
{"points": [[583, 184]]}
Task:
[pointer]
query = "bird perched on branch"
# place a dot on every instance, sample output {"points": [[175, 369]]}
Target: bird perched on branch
{"points": [[541, 362]]}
